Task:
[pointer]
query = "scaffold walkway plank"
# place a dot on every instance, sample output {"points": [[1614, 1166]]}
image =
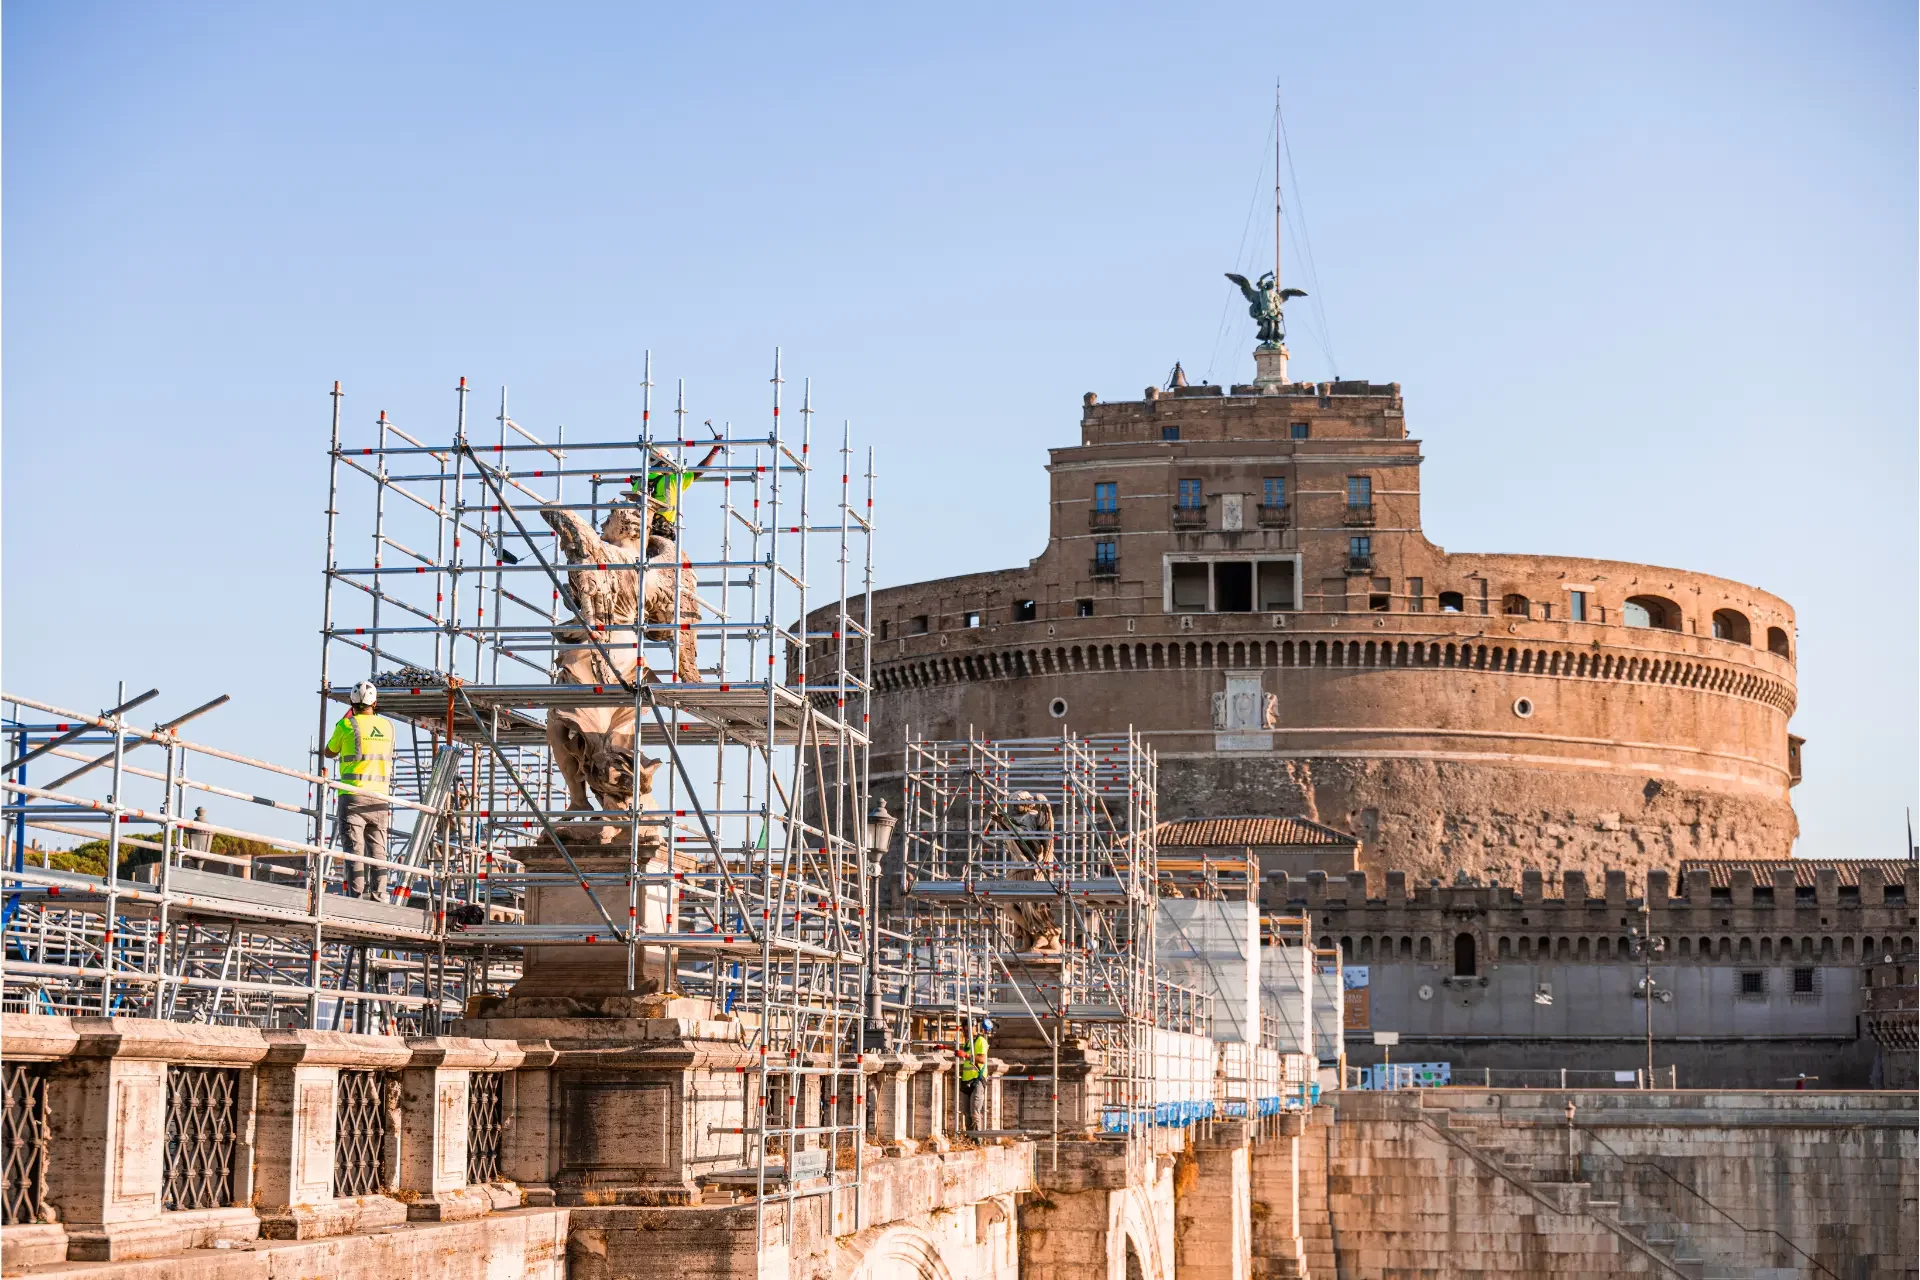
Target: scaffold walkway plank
{"points": [[733, 711]]}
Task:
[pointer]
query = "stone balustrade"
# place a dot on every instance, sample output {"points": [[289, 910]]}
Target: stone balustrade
{"points": [[155, 1137]]}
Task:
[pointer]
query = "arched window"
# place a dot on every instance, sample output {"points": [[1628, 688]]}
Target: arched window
{"points": [[1777, 642], [1452, 602], [1651, 611], [1366, 948], [1731, 624], [1463, 966], [1346, 949], [1605, 949], [1426, 948], [1506, 947], [1516, 606]]}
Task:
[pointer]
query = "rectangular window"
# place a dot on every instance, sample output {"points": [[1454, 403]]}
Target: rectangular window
{"points": [[1024, 611], [1298, 430], [1359, 491], [1169, 433], [1083, 608], [1106, 496], [1577, 605], [1276, 585], [1753, 983], [1106, 555], [1416, 595], [971, 618], [1190, 588], [883, 628], [1276, 492], [917, 626], [1360, 548], [1803, 982], [1233, 586], [1190, 495]]}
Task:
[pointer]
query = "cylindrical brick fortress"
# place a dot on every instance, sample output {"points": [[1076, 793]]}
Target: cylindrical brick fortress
{"points": [[1242, 576]]}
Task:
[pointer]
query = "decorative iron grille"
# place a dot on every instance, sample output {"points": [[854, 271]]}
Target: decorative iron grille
{"points": [[484, 1107], [203, 1121], [26, 1140], [360, 1134]]}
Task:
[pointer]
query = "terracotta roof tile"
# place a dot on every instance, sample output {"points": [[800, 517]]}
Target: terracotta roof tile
{"points": [[1192, 832], [1848, 869]]}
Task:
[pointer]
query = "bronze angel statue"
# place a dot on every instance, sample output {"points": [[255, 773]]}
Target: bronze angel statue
{"points": [[1264, 302]]}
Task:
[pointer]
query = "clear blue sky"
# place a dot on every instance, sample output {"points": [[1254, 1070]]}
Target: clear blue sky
{"points": [[1647, 273]]}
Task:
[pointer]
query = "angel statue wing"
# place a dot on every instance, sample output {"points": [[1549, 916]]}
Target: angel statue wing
{"points": [[1246, 286]]}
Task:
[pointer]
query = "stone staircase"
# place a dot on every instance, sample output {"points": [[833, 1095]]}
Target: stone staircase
{"points": [[1643, 1230], [1640, 1217]]}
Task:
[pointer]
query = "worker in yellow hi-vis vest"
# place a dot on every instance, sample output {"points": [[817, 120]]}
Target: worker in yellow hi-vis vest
{"points": [[363, 743], [665, 483], [973, 1076]]}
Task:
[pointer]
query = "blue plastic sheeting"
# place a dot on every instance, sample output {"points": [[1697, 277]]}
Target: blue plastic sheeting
{"points": [[1170, 1115], [1174, 1115]]}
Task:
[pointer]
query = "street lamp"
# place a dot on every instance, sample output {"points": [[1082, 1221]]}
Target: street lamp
{"points": [[880, 824], [1646, 946]]}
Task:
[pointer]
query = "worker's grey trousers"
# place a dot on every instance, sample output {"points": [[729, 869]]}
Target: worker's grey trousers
{"points": [[973, 1104], [362, 828]]}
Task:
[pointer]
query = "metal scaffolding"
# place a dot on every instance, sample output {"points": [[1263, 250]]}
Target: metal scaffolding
{"points": [[195, 917], [1031, 883], [740, 869]]}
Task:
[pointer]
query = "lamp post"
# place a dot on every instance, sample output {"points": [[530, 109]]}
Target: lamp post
{"points": [[1646, 946], [880, 824]]}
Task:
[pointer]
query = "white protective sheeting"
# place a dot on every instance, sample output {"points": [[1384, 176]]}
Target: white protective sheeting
{"points": [[1212, 945]]}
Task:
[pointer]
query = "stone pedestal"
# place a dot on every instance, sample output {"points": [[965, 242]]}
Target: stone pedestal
{"points": [[1270, 365], [631, 1110], [1026, 1100], [592, 972], [296, 1118]]}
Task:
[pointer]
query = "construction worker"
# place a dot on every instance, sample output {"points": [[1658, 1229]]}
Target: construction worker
{"points": [[363, 743], [665, 483], [973, 1076]]}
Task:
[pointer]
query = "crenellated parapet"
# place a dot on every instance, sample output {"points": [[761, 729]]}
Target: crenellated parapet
{"points": [[1847, 913]]}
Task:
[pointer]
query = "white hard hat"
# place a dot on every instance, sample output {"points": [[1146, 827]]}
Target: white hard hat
{"points": [[365, 694]]}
